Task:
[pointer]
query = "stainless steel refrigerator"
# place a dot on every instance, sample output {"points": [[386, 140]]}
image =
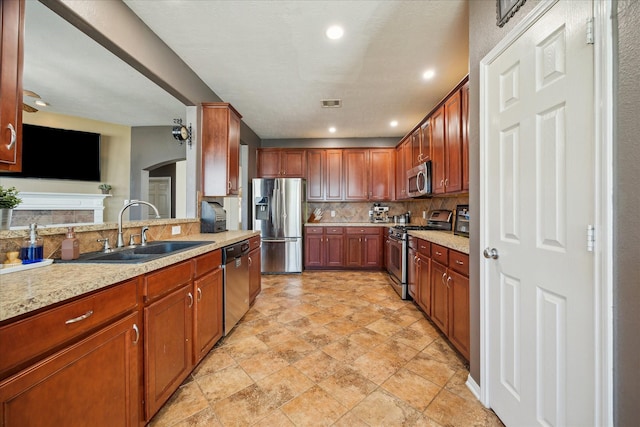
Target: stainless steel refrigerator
{"points": [[279, 212]]}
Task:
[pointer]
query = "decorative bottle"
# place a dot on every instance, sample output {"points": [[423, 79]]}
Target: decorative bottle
{"points": [[70, 246], [32, 247]]}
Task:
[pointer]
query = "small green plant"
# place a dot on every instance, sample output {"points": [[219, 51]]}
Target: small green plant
{"points": [[104, 187], [9, 198]]}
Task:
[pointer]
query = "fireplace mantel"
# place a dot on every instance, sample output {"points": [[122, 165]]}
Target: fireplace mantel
{"points": [[34, 201]]}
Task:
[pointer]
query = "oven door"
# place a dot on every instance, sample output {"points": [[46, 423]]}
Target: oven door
{"points": [[395, 262]]}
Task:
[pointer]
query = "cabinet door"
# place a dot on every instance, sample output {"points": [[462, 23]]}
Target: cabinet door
{"points": [[316, 163], [401, 173], [381, 172], [416, 149], [95, 381], [412, 274], [439, 296], [453, 143], [333, 182], [233, 162], [356, 174], [425, 141], [167, 335], [11, 58], [268, 163], [208, 313], [255, 275], [437, 126], [459, 326], [313, 251], [334, 247], [424, 284], [353, 251], [372, 245], [293, 163], [465, 136]]}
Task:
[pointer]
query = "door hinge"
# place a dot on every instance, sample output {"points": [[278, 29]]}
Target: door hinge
{"points": [[591, 237], [590, 37]]}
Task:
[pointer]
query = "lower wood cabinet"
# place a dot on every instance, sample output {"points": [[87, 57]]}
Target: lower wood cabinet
{"points": [[324, 248], [92, 382], [255, 267], [343, 247], [207, 328]]}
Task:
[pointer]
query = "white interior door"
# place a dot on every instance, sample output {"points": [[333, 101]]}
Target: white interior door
{"points": [[160, 196], [538, 191]]}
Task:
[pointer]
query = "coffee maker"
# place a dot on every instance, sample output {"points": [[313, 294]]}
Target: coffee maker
{"points": [[379, 213]]}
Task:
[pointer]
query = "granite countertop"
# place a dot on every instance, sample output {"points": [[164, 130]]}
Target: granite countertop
{"points": [[443, 238], [29, 290], [349, 224]]}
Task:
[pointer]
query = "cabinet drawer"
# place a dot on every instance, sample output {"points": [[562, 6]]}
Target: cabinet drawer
{"points": [[167, 279], [25, 340], [334, 230], [459, 262], [440, 254], [314, 230], [363, 230], [424, 247], [254, 243], [207, 262]]}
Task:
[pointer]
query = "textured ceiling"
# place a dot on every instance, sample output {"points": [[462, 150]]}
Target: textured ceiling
{"points": [[270, 60]]}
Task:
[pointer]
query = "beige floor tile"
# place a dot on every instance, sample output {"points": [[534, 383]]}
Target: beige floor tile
{"points": [[375, 366], [348, 386], [412, 388], [216, 360], [437, 372], [242, 348], [458, 385], [319, 337], [245, 407], [344, 350], [185, 402], [314, 407], [367, 338], [276, 418], [318, 365], [284, 385], [204, 418], [263, 364], [293, 349], [342, 327], [380, 408], [223, 383], [384, 327], [452, 410], [396, 351]]}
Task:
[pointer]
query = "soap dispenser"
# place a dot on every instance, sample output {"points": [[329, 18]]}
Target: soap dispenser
{"points": [[32, 247], [70, 246]]}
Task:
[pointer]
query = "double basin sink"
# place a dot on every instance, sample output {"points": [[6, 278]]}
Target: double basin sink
{"points": [[139, 254]]}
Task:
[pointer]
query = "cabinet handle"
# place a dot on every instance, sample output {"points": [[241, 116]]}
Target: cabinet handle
{"points": [[446, 182], [13, 136], [251, 263], [442, 182], [360, 239], [200, 290], [442, 279], [229, 185], [459, 262], [438, 253], [137, 331], [448, 280], [190, 299], [79, 318]]}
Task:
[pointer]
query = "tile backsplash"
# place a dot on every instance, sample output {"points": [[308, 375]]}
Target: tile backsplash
{"points": [[359, 211]]}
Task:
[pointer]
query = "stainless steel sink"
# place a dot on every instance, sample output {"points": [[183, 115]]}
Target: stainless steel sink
{"points": [[138, 254]]}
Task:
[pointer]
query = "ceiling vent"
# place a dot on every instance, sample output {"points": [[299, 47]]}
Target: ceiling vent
{"points": [[331, 103]]}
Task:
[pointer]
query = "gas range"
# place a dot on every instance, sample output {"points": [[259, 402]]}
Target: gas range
{"points": [[438, 220]]}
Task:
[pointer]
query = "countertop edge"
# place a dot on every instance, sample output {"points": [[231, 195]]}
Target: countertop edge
{"points": [[447, 239]]}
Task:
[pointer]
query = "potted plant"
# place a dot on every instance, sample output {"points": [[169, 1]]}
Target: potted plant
{"points": [[106, 188], [8, 200]]}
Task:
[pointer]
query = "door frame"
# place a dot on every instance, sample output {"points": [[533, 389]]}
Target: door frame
{"points": [[603, 209]]}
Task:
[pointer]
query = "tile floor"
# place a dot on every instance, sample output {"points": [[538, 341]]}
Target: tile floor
{"points": [[328, 349]]}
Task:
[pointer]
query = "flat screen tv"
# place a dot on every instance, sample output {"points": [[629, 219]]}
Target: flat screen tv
{"points": [[52, 153]]}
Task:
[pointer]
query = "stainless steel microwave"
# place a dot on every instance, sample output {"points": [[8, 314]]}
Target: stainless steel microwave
{"points": [[419, 180]]}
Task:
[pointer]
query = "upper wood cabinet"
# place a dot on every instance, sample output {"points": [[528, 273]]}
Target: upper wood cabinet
{"points": [[401, 169], [11, 59], [465, 135], [220, 149], [324, 175], [369, 174], [281, 163], [446, 140]]}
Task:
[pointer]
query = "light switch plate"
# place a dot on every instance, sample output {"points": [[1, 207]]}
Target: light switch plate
{"points": [[333, 214], [175, 229]]}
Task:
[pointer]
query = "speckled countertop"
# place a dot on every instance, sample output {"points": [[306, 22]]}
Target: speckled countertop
{"points": [[443, 238], [349, 224], [29, 290]]}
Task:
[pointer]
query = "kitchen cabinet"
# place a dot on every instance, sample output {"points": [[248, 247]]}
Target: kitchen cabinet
{"points": [[464, 92], [369, 174], [324, 248], [255, 267], [168, 331], [324, 175], [363, 247], [450, 295], [403, 159], [220, 149], [446, 140], [84, 363], [420, 144], [11, 61], [412, 268], [207, 291], [422, 267], [281, 163]]}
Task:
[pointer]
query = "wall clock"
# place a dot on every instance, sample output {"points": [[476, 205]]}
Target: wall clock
{"points": [[181, 132]]}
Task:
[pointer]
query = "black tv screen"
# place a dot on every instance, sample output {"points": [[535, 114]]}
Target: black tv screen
{"points": [[59, 154]]}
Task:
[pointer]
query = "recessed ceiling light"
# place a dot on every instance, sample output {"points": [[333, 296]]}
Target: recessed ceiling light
{"points": [[334, 32], [393, 123], [40, 103], [332, 129], [428, 74]]}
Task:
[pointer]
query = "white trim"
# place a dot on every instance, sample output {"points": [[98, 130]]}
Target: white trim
{"points": [[473, 386], [603, 81], [32, 201], [604, 129]]}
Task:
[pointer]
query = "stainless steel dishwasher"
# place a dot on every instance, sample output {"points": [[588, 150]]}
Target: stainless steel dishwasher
{"points": [[236, 283]]}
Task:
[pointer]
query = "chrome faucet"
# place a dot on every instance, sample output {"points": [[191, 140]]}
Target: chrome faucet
{"points": [[120, 243]]}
